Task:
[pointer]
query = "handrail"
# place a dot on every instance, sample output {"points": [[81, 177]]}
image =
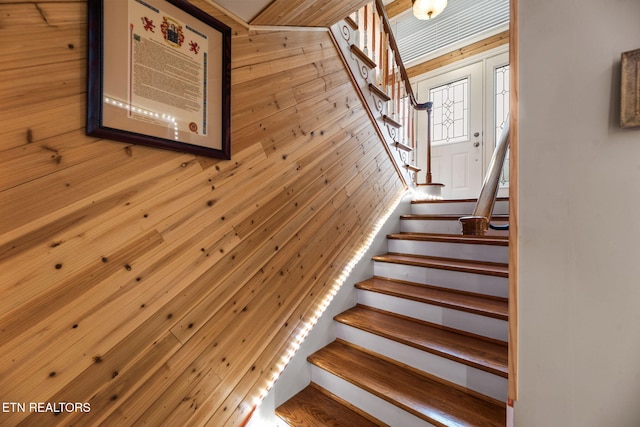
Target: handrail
{"points": [[479, 221], [380, 47], [396, 52]]}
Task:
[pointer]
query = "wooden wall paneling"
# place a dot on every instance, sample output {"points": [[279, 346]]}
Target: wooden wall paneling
{"points": [[354, 125], [323, 84], [160, 321], [263, 46], [22, 14], [259, 375], [282, 80], [27, 85], [292, 268], [302, 201], [103, 384], [160, 251], [42, 120], [255, 108], [41, 1], [390, 170], [300, 140], [277, 12], [232, 401], [74, 184], [51, 45], [56, 13], [87, 221], [312, 124], [332, 12], [262, 69], [306, 117], [32, 161]]}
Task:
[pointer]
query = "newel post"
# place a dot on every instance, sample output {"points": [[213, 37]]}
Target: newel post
{"points": [[429, 106], [429, 190]]}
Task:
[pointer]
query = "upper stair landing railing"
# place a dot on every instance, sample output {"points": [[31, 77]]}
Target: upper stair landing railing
{"points": [[372, 44]]}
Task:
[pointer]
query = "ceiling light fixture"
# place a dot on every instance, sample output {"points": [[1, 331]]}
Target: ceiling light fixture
{"points": [[428, 9]]}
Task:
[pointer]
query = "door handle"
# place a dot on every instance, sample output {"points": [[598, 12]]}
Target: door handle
{"points": [[476, 144]]}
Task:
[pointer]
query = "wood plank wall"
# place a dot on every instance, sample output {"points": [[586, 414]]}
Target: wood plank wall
{"points": [[160, 287]]}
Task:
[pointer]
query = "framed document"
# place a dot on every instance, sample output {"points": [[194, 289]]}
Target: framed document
{"points": [[159, 75], [630, 89]]}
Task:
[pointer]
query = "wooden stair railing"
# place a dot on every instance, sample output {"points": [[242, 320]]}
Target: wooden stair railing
{"points": [[380, 64], [479, 222]]}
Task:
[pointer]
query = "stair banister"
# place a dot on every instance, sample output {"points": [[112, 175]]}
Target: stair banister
{"points": [[396, 53], [431, 190], [393, 105], [480, 221]]}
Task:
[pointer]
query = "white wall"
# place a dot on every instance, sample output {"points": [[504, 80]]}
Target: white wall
{"points": [[579, 238]]}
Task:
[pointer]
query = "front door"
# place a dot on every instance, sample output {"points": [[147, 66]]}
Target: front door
{"points": [[463, 125], [456, 137]]}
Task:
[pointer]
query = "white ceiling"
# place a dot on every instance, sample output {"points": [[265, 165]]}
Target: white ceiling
{"points": [[244, 9]]}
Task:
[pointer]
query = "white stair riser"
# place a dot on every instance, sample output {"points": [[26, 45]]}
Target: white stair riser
{"points": [[460, 280], [443, 226], [465, 208], [466, 376], [461, 320], [368, 402], [430, 226], [491, 253]]}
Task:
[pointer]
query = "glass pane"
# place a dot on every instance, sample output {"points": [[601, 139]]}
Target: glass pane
{"points": [[450, 121], [501, 79]]}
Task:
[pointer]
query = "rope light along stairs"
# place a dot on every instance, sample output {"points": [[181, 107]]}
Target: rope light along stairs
{"points": [[426, 344]]}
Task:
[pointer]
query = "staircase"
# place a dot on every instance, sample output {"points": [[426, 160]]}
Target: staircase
{"points": [[426, 343]]}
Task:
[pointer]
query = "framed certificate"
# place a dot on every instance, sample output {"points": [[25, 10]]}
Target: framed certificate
{"points": [[159, 75]]}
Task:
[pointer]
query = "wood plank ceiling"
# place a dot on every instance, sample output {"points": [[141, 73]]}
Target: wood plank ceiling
{"points": [[308, 13], [301, 13]]}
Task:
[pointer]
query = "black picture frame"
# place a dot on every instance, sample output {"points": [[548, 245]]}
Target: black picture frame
{"points": [[127, 92]]}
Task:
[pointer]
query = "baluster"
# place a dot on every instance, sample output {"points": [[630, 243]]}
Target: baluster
{"points": [[373, 33], [398, 93], [406, 116], [381, 57], [413, 131], [393, 86], [365, 49]]}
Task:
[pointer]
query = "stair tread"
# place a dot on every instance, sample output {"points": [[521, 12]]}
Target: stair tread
{"points": [[495, 307], [314, 406], [452, 238], [472, 350], [449, 217], [425, 396], [469, 266]]}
